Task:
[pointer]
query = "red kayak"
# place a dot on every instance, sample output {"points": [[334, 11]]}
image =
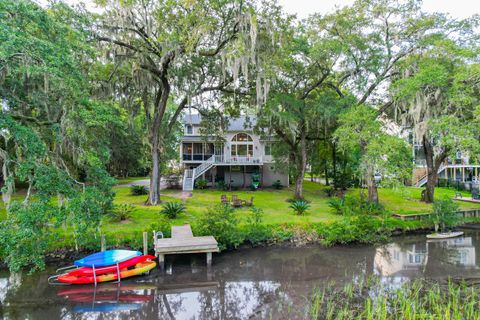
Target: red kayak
{"points": [[138, 269], [86, 271]]}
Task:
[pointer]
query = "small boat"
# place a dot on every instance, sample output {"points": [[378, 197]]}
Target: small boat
{"points": [[445, 235], [106, 258], [86, 271], [138, 269]]}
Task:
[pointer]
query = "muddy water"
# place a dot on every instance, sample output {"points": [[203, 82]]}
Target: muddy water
{"points": [[261, 283]]}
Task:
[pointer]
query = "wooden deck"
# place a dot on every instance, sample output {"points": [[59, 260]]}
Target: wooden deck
{"points": [[183, 241]]}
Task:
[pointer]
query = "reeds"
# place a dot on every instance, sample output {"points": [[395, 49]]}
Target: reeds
{"points": [[372, 299]]}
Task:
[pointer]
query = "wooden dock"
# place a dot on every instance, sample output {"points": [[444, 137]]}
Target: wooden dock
{"points": [[183, 241]]}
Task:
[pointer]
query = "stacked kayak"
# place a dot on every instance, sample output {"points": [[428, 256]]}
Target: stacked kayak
{"points": [[108, 265]]}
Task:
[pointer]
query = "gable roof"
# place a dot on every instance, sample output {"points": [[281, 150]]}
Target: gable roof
{"points": [[241, 123]]}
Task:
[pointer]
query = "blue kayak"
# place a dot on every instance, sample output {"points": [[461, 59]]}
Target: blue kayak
{"points": [[107, 307], [106, 258]]}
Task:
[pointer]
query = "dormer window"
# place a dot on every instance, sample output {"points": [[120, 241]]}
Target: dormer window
{"points": [[188, 129]]}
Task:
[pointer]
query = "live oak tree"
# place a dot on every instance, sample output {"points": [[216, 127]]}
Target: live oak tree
{"points": [[51, 135], [382, 155], [181, 52], [355, 50], [436, 96]]}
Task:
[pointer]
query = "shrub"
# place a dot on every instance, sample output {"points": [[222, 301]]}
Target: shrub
{"points": [[254, 231], [201, 184], [299, 207], [173, 181], [329, 191], [136, 190], [173, 209], [350, 205], [221, 222], [277, 185], [354, 229], [164, 225], [221, 185], [122, 212], [337, 205], [444, 215]]}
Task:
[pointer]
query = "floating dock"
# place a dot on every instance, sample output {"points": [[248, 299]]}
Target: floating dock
{"points": [[182, 242]]}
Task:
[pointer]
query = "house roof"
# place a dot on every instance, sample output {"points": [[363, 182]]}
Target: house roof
{"points": [[241, 123]]}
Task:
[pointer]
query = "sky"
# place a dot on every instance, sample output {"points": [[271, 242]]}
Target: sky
{"points": [[456, 8]]}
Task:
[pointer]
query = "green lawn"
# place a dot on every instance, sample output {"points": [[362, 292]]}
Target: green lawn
{"points": [[273, 202], [129, 179]]}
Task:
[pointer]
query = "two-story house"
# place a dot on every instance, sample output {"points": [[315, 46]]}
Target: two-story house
{"points": [[240, 155]]}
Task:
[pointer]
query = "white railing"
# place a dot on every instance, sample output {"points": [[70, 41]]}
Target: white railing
{"points": [[237, 159], [424, 179], [201, 169]]}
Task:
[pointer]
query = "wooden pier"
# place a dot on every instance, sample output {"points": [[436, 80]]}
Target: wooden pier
{"points": [[183, 241]]}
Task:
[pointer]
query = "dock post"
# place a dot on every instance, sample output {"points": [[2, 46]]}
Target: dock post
{"points": [[102, 243], [145, 243], [161, 261], [209, 259]]}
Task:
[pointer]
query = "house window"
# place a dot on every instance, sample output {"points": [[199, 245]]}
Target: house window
{"points": [[242, 150], [268, 149], [242, 145], [188, 129], [242, 137]]}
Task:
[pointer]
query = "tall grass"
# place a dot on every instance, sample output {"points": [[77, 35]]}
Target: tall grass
{"points": [[372, 300]]}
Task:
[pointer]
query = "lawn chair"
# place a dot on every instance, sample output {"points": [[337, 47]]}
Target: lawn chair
{"points": [[236, 203], [224, 199], [248, 203]]}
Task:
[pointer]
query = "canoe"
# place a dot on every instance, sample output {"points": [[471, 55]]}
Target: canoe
{"points": [[139, 269], [106, 258], [445, 235], [86, 271]]}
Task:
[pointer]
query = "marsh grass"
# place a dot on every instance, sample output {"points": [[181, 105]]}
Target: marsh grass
{"points": [[374, 300]]}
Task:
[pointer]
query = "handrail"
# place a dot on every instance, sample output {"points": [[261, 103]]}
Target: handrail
{"points": [[440, 169]]}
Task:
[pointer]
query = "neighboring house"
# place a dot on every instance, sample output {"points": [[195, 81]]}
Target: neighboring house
{"points": [[241, 157], [462, 168]]}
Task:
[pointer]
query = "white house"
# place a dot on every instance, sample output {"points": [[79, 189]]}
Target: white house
{"points": [[237, 158]]}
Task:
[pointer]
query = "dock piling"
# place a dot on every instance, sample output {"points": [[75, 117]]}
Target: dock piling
{"points": [[145, 243], [103, 244]]}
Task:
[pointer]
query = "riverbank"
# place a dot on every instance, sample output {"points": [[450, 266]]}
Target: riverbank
{"points": [[279, 225], [274, 282]]}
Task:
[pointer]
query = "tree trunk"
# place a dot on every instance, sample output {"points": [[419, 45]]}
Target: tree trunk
{"points": [[433, 164], [326, 174], [371, 185], [154, 195], [372, 189], [301, 165], [334, 162]]}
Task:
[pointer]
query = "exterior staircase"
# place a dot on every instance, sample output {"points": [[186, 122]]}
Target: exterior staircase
{"points": [[190, 175], [423, 180]]}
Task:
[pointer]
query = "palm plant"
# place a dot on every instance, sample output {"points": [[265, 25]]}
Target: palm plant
{"points": [[173, 209], [300, 207]]}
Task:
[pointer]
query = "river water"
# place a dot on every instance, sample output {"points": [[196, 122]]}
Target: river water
{"points": [[259, 283]]}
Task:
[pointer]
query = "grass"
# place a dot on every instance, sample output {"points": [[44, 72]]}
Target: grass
{"points": [[273, 202], [129, 179], [371, 299]]}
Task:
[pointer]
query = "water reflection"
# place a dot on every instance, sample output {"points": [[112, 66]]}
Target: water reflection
{"points": [[245, 284]]}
